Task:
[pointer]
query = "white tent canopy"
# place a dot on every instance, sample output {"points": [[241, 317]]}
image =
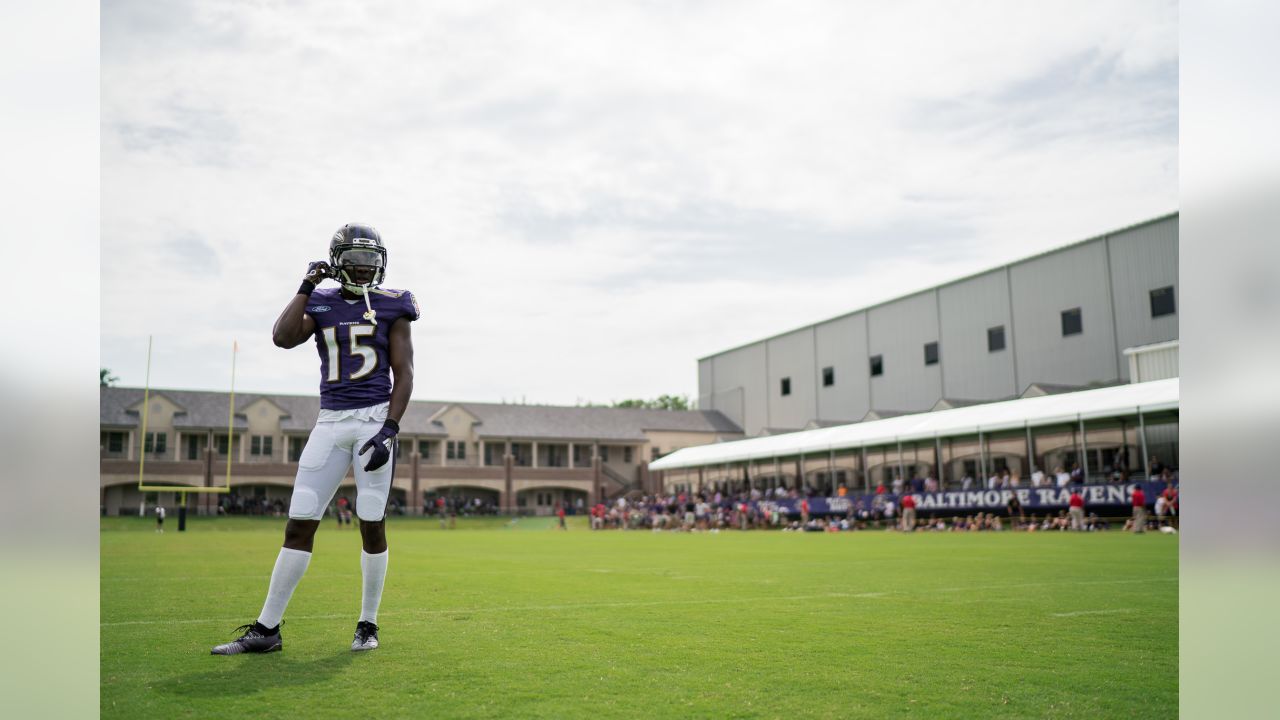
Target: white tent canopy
{"points": [[1118, 401]]}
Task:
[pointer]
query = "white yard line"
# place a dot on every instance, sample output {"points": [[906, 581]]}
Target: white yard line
{"points": [[518, 608], [1094, 612], [654, 603]]}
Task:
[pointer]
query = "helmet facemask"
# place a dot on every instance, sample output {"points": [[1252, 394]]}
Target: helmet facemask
{"points": [[359, 265]]}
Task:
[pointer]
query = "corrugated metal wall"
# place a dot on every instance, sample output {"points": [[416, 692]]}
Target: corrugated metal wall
{"points": [[899, 331], [1158, 364], [969, 308], [1143, 259], [842, 346], [705, 384], [739, 378], [1109, 278], [1045, 286], [792, 356]]}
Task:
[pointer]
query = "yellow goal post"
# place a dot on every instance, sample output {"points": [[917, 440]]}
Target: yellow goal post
{"points": [[142, 456]]}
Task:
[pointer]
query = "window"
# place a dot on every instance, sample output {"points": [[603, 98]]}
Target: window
{"points": [[604, 453], [931, 353], [786, 386], [1071, 322], [877, 365], [1162, 302], [155, 442], [295, 448], [220, 442], [424, 448], [115, 442], [404, 448], [995, 339], [828, 376], [456, 450], [626, 454], [654, 453], [260, 445], [194, 446]]}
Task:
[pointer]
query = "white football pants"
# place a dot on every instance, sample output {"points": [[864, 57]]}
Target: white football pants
{"points": [[331, 451]]}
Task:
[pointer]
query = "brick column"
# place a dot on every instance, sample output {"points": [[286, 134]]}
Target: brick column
{"points": [[209, 500], [415, 499], [596, 488], [508, 500]]}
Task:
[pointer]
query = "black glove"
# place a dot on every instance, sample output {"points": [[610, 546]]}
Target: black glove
{"points": [[380, 444], [317, 271]]}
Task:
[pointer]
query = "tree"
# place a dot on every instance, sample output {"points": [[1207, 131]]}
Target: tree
{"points": [[105, 378], [662, 402]]}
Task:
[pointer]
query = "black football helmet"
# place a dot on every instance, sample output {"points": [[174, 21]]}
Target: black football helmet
{"points": [[356, 252]]}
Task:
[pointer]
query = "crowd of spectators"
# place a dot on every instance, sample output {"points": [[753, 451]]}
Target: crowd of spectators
{"points": [[751, 510], [235, 504]]}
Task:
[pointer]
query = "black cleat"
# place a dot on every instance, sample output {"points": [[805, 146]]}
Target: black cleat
{"points": [[256, 639], [366, 637]]}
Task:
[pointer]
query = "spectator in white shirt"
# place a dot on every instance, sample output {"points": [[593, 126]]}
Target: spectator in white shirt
{"points": [[967, 482], [1062, 476], [1037, 478]]}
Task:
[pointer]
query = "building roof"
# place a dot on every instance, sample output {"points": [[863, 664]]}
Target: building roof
{"points": [[956, 281], [202, 409], [1116, 401], [950, 403]]}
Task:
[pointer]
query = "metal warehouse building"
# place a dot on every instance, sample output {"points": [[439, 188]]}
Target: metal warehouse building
{"points": [[1072, 318]]}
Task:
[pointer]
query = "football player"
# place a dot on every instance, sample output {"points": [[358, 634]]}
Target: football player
{"points": [[363, 336]]}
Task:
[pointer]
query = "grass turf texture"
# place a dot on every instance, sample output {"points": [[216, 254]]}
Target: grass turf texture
{"points": [[526, 621]]}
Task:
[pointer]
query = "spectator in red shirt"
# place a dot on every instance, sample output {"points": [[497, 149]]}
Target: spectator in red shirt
{"points": [[1139, 510], [1077, 510], [908, 513], [560, 514], [804, 511], [1170, 495]]}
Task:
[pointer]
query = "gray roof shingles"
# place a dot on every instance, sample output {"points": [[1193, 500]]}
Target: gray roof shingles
{"points": [[207, 409]]}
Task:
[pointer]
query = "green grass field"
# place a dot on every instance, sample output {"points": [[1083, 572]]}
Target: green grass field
{"points": [[491, 621]]}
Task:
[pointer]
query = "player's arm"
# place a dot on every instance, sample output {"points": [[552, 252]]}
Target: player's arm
{"points": [[294, 325], [401, 351]]}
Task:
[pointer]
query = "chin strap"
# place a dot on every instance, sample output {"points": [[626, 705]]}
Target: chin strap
{"points": [[371, 316]]}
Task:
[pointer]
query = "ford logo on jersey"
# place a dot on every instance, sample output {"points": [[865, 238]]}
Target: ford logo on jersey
{"points": [[318, 308]]}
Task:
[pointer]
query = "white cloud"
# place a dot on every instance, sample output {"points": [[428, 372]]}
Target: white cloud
{"points": [[587, 196]]}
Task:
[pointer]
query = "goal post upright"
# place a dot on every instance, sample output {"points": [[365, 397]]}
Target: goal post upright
{"points": [[231, 409], [182, 490]]}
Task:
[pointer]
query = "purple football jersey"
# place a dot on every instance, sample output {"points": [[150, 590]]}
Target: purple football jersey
{"points": [[355, 358]]}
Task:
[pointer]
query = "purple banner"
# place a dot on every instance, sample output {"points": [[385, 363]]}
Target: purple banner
{"points": [[1112, 497]]}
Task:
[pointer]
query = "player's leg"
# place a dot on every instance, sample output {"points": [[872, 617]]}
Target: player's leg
{"points": [[373, 489], [320, 468]]}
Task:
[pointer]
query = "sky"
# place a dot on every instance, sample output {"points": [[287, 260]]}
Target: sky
{"points": [[586, 197]]}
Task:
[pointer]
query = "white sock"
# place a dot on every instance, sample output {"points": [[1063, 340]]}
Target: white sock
{"points": [[374, 570], [290, 565]]}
